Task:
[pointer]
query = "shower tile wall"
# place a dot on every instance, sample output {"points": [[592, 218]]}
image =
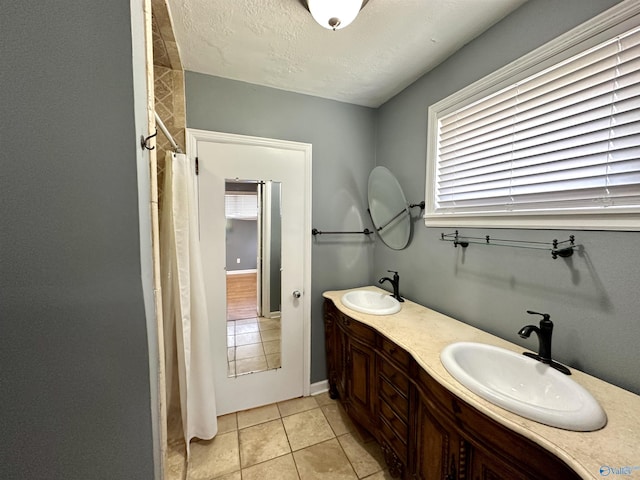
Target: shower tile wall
{"points": [[168, 86]]}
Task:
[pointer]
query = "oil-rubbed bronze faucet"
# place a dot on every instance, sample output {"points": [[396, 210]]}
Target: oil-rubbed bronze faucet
{"points": [[544, 341], [395, 282]]}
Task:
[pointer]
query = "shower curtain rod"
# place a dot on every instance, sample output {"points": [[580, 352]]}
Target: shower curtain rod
{"points": [[175, 146]]}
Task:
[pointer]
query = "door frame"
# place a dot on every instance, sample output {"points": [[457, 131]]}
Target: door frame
{"points": [[193, 136]]}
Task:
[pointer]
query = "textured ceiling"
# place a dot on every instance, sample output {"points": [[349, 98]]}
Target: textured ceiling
{"points": [[278, 44]]}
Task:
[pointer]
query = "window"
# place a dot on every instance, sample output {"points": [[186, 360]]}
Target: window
{"points": [[241, 206], [558, 148]]}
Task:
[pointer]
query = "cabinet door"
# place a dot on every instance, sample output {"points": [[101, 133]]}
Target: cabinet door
{"points": [[341, 361], [361, 383], [441, 452], [335, 344], [486, 466]]}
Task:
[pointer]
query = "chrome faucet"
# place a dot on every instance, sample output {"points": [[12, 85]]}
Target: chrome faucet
{"points": [[395, 283], [544, 341]]}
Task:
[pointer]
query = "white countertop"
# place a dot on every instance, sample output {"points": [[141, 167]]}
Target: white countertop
{"points": [[424, 333]]}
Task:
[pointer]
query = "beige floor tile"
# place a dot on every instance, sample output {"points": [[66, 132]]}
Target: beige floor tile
{"points": [[307, 428], [231, 329], [270, 335], [273, 360], [323, 398], [269, 324], [249, 365], [272, 346], [297, 405], [338, 418], [362, 434], [324, 461], [247, 328], [262, 442], [365, 458], [281, 468], [176, 462], [227, 423], [249, 351], [213, 458], [254, 416], [248, 338], [231, 354], [231, 340], [231, 476], [231, 369], [384, 475]]}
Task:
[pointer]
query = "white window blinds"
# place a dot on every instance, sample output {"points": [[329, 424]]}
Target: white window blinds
{"points": [[241, 206], [566, 139]]}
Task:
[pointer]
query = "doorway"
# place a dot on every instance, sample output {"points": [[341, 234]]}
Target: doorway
{"points": [[223, 159]]}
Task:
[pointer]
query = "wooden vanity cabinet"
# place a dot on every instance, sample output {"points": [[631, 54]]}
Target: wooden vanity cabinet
{"points": [[351, 361], [424, 430]]}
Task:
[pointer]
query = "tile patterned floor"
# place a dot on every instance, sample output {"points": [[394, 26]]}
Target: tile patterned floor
{"points": [[253, 345], [305, 438]]}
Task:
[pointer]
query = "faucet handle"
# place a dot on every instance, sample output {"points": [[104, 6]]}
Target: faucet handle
{"points": [[392, 271], [545, 316]]}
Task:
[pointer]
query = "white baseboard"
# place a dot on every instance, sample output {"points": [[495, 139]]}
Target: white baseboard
{"points": [[240, 272], [319, 387]]}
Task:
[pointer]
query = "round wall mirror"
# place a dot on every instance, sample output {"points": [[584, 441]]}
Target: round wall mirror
{"points": [[389, 209]]}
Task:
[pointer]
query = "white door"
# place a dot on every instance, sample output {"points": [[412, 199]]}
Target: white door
{"points": [[223, 157]]}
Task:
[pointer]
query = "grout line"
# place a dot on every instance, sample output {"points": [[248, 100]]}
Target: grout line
{"points": [[238, 441], [286, 434]]}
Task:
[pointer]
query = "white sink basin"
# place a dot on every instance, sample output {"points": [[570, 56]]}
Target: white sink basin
{"points": [[373, 303], [523, 386]]}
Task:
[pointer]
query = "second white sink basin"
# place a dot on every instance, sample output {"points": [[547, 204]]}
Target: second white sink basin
{"points": [[523, 386], [373, 303]]}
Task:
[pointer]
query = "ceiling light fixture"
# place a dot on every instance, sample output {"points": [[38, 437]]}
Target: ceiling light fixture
{"points": [[335, 14]]}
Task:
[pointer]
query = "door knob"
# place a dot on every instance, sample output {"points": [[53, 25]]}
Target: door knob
{"points": [[296, 294]]}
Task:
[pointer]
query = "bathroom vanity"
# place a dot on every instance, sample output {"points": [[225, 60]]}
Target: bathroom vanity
{"points": [[387, 374]]}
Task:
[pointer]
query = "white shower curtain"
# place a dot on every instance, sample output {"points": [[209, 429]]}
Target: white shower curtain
{"points": [[184, 303]]}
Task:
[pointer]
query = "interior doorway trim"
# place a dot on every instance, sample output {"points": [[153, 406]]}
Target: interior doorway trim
{"points": [[193, 136]]}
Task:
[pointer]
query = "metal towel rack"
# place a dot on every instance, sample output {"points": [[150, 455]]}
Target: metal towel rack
{"points": [[557, 248], [366, 231]]}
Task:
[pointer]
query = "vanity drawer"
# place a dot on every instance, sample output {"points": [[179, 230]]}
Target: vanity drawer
{"points": [[394, 352], [389, 416], [398, 402], [394, 376], [397, 443], [358, 330]]}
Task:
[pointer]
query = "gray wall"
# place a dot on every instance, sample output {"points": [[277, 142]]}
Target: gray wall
{"points": [[242, 243], [75, 381], [592, 297], [343, 139]]}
